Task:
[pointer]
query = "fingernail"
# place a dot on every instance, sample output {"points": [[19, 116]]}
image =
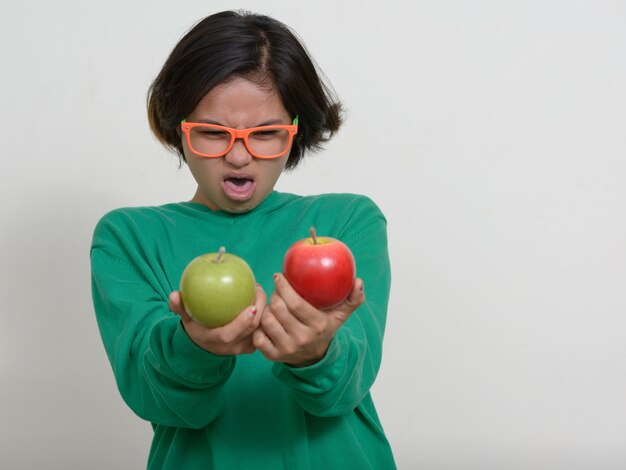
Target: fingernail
{"points": [[276, 277], [361, 288], [253, 311]]}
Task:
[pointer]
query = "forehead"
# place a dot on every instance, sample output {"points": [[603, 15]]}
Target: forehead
{"points": [[240, 98]]}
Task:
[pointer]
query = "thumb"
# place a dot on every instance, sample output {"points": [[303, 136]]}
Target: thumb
{"points": [[175, 304], [354, 301]]}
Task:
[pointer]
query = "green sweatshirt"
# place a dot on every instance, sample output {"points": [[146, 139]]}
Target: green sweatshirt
{"points": [[241, 412]]}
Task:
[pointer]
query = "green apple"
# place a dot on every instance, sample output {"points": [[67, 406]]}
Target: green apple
{"points": [[216, 287]]}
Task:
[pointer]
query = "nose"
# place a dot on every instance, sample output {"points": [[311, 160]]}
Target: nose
{"points": [[238, 156]]}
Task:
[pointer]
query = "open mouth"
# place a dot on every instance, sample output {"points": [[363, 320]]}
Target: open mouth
{"points": [[238, 188]]}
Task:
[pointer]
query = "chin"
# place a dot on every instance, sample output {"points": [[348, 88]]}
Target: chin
{"points": [[236, 207]]}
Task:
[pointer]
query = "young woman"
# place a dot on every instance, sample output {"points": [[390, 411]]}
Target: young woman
{"points": [[284, 385]]}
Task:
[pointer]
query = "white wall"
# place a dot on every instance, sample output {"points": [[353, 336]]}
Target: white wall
{"points": [[491, 133]]}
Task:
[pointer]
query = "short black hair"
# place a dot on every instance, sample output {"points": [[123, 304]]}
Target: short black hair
{"points": [[233, 44]]}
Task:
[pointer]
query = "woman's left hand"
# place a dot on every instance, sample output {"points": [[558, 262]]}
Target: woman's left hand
{"points": [[296, 333]]}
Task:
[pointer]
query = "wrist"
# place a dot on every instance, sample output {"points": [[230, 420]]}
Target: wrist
{"points": [[310, 361]]}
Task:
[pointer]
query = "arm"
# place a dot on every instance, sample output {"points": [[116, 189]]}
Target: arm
{"points": [[162, 375], [338, 382]]}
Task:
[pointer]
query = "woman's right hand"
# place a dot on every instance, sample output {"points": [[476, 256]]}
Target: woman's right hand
{"points": [[231, 339]]}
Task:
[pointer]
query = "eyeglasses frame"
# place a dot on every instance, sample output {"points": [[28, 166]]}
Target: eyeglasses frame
{"points": [[242, 134]]}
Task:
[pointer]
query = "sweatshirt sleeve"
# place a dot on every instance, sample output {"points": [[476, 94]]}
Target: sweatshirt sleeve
{"points": [[338, 383], [161, 374]]}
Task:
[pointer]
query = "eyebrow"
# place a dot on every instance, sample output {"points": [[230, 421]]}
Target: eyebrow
{"points": [[269, 122]]}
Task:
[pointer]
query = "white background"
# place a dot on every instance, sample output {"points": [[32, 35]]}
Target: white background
{"points": [[492, 135]]}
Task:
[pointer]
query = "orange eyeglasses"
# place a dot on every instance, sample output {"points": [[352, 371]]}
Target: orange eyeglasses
{"points": [[213, 141]]}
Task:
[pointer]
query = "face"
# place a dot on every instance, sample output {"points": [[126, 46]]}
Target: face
{"points": [[236, 182]]}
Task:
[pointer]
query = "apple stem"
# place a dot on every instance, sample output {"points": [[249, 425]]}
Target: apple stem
{"points": [[220, 255], [313, 235]]}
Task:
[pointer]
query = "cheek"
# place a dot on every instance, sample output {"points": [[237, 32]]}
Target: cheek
{"points": [[201, 169], [276, 169]]}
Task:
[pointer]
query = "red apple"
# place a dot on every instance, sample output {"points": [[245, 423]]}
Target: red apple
{"points": [[321, 270], [216, 287]]}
